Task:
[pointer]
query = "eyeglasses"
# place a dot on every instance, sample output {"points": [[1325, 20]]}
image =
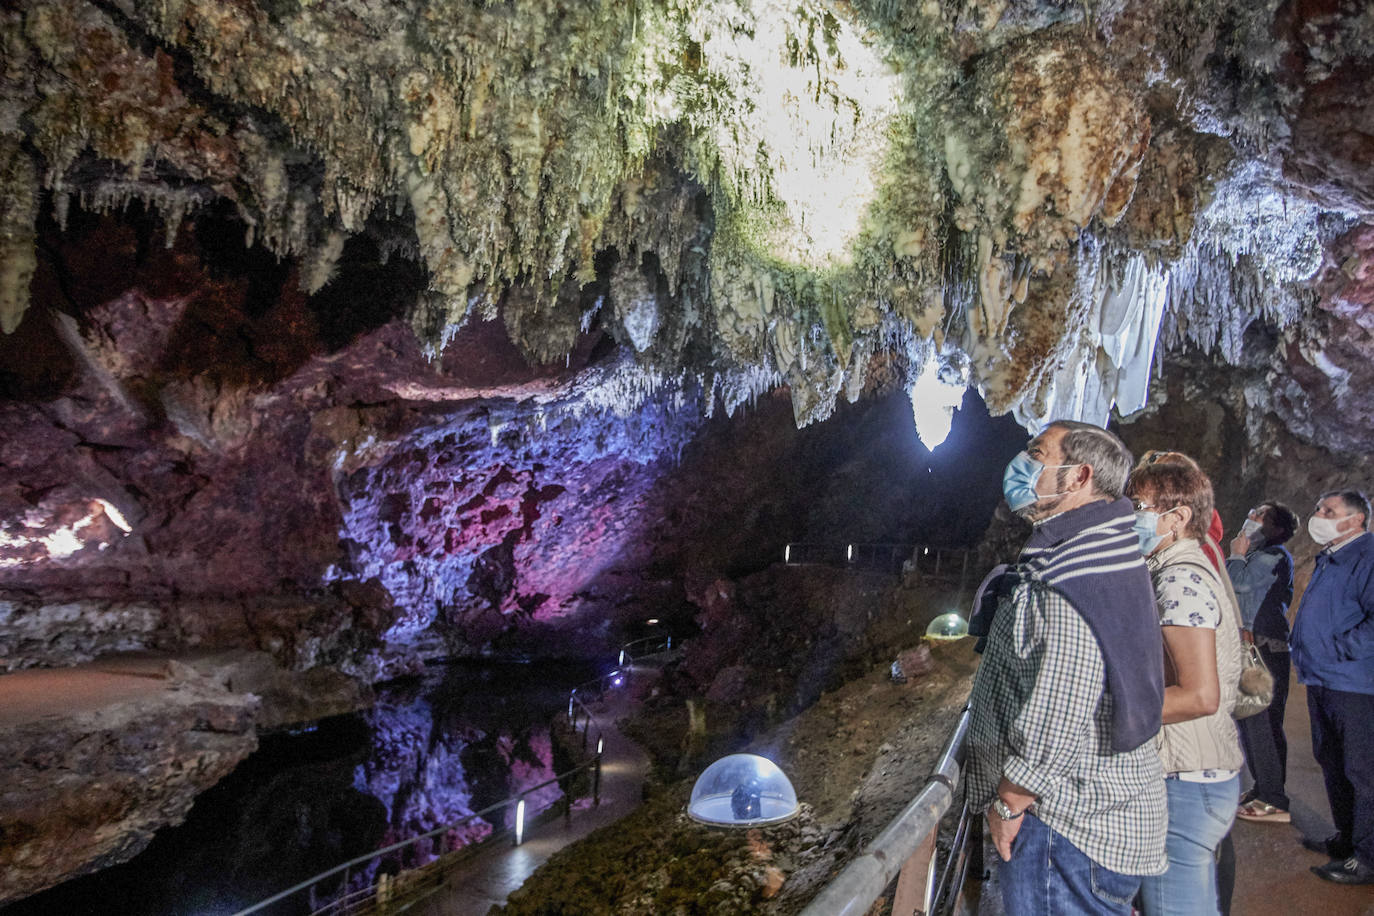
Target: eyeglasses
{"points": [[1142, 506]]}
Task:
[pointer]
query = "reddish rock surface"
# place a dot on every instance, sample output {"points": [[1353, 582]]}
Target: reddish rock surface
{"points": [[307, 483]]}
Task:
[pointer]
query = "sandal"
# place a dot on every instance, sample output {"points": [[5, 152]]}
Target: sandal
{"points": [[1256, 810]]}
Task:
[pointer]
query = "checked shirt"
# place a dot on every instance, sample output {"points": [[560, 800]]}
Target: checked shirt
{"points": [[1042, 717]]}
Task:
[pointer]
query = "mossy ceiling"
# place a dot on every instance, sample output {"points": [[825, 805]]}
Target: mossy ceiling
{"points": [[1013, 188]]}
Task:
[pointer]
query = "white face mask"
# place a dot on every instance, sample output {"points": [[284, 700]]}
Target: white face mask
{"points": [[1249, 528], [1325, 530]]}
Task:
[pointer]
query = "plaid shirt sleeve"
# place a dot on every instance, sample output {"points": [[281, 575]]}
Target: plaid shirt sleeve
{"points": [[1064, 673]]}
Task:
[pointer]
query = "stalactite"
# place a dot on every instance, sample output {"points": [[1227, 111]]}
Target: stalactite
{"points": [[18, 210], [810, 182]]}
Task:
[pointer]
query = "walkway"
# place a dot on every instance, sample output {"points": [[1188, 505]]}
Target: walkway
{"points": [[1272, 877], [488, 878]]}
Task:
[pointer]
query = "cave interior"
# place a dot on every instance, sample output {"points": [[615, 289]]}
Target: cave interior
{"points": [[340, 342]]}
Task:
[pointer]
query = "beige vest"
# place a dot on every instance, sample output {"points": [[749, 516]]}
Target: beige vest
{"points": [[1210, 742]]}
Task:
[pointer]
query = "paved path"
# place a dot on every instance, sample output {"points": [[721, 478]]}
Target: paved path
{"points": [[489, 878], [1272, 877]]}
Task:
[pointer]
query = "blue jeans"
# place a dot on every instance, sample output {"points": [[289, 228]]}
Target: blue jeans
{"points": [[1200, 814], [1049, 876]]}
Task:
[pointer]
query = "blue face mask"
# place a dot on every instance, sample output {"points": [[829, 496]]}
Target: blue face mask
{"points": [[1019, 479], [1145, 528]]}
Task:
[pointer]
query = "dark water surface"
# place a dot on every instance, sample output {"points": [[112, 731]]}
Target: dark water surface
{"points": [[433, 750]]}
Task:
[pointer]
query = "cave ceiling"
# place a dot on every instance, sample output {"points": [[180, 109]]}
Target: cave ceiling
{"points": [[1028, 191]]}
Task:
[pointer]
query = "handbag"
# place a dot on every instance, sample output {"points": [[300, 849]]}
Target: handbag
{"points": [[1256, 684], [1255, 689]]}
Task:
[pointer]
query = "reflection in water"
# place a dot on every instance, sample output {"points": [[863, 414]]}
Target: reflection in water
{"points": [[432, 751]]}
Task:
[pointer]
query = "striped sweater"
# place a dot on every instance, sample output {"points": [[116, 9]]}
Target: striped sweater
{"points": [[1092, 556]]}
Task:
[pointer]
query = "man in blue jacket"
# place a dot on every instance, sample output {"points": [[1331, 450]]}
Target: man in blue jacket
{"points": [[1333, 650]]}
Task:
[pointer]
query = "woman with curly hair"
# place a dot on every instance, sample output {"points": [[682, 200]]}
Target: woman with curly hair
{"points": [[1198, 745]]}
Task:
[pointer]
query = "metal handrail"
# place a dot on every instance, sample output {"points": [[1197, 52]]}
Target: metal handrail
{"points": [[859, 555], [661, 643], [863, 880], [594, 765]]}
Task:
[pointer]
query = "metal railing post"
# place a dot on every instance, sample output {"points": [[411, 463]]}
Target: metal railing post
{"points": [[975, 856], [916, 881], [596, 783]]}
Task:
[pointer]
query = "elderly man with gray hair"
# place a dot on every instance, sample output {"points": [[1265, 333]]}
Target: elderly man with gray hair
{"points": [[1333, 651], [1070, 689]]}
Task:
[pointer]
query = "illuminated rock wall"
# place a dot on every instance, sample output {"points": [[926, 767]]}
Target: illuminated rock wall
{"points": [[207, 458]]}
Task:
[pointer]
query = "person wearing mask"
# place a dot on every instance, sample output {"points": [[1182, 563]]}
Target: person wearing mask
{"points": [[1211, 544], [1261, 570], [1333, 651], [1067, 698], [1198, 746]]}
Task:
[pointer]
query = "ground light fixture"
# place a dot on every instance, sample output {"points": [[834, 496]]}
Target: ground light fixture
{"points": [[947, 627], [742, 790]]}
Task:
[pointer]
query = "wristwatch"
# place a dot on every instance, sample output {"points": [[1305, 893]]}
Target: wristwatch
{"points": [[1004, 810]]}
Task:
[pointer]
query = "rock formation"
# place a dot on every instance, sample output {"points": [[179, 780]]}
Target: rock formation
{"points": [[357, 333], [785, 188], [87, 790], [332, 220]]}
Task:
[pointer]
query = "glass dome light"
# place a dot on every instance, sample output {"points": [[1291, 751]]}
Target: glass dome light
{"points": [[742, 790], [947, 626]]}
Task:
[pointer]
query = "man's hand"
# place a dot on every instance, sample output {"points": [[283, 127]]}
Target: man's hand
{"points": [[1247, 637], [1240, 545], [1003, 833]]}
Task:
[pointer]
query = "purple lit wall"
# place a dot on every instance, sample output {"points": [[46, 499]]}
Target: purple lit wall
{"points": [[494, 516]]}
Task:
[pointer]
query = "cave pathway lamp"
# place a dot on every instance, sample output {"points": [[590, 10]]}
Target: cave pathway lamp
{"points": [[742, 790], [947, 628]]}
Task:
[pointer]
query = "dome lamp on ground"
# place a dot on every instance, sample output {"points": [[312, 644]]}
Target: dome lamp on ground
{"points": [[947, 627], [742, 790]]}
